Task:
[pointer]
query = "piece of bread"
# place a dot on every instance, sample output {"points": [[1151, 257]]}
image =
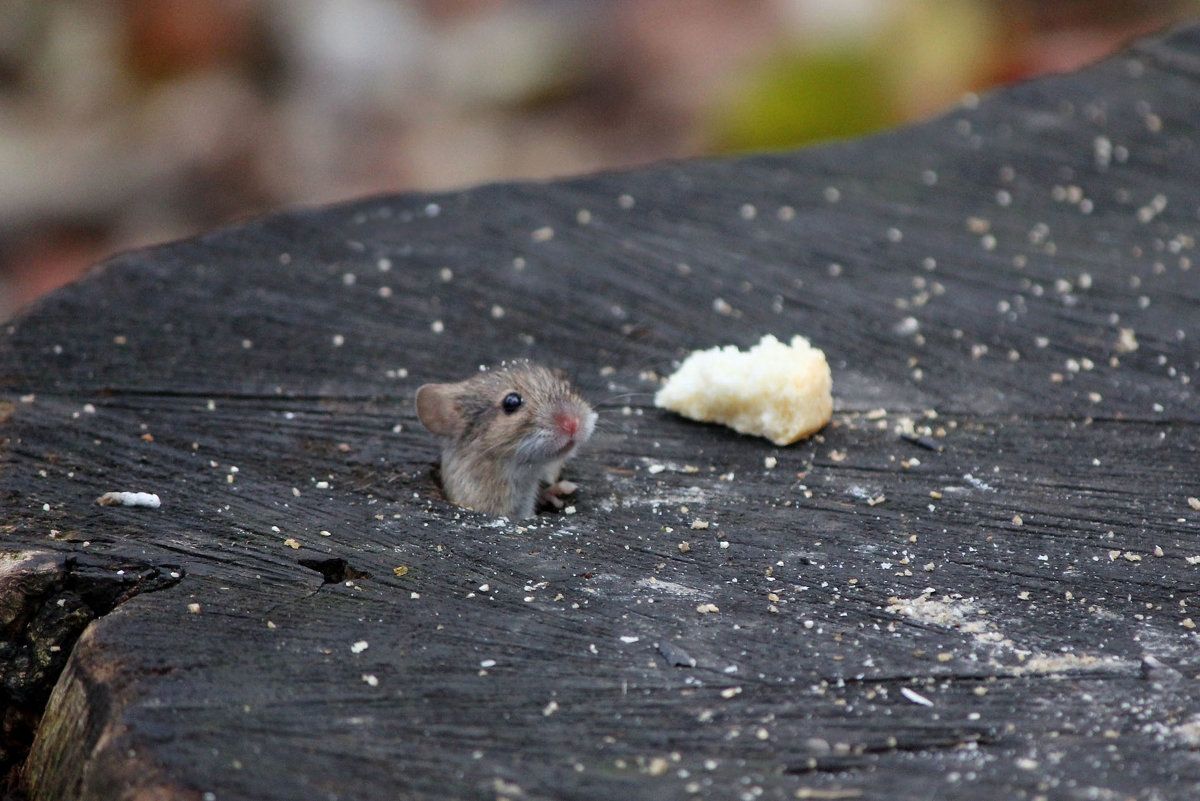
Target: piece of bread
{"points": [[781, 392]]}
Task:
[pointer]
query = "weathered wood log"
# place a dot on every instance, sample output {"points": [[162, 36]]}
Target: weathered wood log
{"points": [[977, 582]]}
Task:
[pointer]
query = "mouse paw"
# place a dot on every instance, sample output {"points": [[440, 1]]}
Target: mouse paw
{"points": [[551, 495]]}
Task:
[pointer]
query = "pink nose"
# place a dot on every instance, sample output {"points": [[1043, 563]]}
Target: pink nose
{"points": [[567, 423]]}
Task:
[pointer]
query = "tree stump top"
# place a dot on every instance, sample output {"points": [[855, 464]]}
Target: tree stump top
{"points": [[977, 582]]}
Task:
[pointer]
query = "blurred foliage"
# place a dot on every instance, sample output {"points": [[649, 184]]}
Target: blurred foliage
{"points": [[909, 58], [879, 63], [795, 98], [125, 122]]}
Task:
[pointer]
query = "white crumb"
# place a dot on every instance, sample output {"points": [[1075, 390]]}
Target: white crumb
{"points": [[148, 499]]}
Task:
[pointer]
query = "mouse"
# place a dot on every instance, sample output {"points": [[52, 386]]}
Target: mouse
{"points": [[506, 433]]}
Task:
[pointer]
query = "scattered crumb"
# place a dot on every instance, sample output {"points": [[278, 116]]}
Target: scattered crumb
{"points": [[147, 499], [978, 225], [1126, 341], [915, 697], [658, 766]]}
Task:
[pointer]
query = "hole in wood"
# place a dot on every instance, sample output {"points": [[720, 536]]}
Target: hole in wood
{"points": [[335, 571]]}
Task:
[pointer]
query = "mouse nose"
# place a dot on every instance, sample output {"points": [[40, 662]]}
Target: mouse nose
{"points": [[567, 423]]}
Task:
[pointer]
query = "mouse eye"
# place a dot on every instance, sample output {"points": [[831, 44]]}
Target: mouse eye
{"points": [[512, 402]]}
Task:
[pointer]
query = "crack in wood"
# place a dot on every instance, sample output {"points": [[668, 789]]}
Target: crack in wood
{"points": [[47, 599]]}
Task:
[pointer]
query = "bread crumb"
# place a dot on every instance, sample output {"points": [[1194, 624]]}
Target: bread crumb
{"points": [[774, 390], [148, 499]]}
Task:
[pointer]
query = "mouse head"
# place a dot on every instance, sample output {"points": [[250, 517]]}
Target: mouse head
{"points": [[520, 412]]}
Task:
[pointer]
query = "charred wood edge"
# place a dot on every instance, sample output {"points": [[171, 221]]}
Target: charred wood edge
{"points": [[47, 600]]}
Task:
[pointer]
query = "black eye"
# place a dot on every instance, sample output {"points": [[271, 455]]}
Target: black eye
{"points": [[511, 402]]}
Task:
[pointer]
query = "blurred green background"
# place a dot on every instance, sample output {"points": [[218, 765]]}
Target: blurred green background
{"points": [[127, 122]]}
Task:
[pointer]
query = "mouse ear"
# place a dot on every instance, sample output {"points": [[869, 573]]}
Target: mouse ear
{"points": [[437, 409]]}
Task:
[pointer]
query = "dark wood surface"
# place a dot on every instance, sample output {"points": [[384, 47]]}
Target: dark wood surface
{"points": [[1007, 615]]}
